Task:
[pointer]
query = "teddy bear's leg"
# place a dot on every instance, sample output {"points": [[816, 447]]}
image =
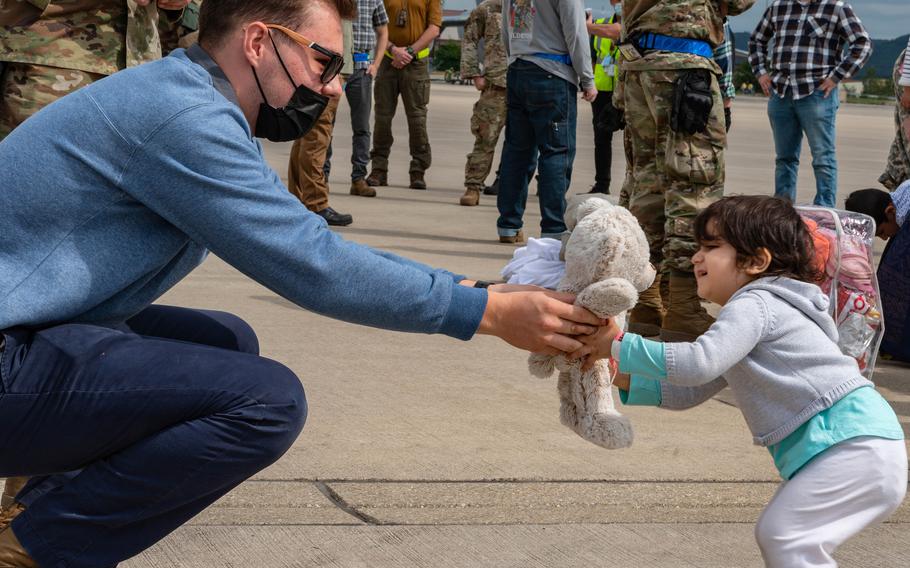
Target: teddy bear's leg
{"points": [[603, 424], [541, 366], [568, 411]]}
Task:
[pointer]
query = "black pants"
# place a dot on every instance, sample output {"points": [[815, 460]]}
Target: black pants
{"points": [[607, 119]]}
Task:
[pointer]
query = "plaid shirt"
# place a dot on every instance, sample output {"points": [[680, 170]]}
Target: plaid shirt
{"points": [[723, 56], [370, 15], [809, 42]]}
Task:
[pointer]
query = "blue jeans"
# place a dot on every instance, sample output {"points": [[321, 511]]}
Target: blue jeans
{"points": [[542, 113], [815, 115], [160, 418]]}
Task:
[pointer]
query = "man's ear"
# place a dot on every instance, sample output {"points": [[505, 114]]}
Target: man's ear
{"points": [[759, 263], [255, 39], [891, 213]]}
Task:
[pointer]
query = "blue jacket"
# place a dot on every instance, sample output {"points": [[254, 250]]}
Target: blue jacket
{"points": [[111, 195]]}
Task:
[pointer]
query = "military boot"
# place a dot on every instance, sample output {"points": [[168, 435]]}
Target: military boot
{"points": [[378, 178], [685, 319], [647, 316], [471, 197]]}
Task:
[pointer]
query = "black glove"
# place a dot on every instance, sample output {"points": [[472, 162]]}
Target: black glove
{"points": [[692, 102], [728, 118]]}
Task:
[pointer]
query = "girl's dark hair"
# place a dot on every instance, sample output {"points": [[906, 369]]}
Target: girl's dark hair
{"points": [[872, 202], [752, 222], [219, 18]]}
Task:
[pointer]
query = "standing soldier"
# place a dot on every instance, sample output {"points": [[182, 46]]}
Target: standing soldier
{"points": [[485, 23], [51, 49], [404, 72], [675, 120]]}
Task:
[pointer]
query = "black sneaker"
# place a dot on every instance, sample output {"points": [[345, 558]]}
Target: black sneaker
{"points": [[335, 218], [596, 188], [492, 189]]}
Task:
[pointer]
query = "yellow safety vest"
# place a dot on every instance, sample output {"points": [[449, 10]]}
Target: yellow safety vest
{"points": [[604, 51]]}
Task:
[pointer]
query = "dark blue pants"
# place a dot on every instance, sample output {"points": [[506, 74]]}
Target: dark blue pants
{"points": [[542, 114], [160, 418]]}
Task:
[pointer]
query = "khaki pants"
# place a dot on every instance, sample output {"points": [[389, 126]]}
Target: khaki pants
{"points": [[306, 178], [413, 85]]}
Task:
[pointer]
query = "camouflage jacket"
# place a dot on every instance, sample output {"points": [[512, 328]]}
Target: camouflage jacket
{"points": [[485, 23], [96, 36], [693, 19], [174, 26]]}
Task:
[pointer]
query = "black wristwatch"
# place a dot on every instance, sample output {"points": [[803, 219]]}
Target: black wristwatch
{"points": [[483, 284], [410, 50]]}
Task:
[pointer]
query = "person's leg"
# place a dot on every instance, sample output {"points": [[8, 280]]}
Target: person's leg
{"points": [[818, 116], [161, 428], [603, 142], [486, 124], [851, 486], [517, 154], [25, 89], [695, 179], [385, 92], [552, 109], [415, 95], [306, 179], [359, 91], [788, 140]]}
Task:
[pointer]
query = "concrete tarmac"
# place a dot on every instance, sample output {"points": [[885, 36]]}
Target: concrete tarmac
{"points": [[424, 451]]}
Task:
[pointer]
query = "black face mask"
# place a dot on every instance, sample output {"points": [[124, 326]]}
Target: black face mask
{"points": [[293, 120]]}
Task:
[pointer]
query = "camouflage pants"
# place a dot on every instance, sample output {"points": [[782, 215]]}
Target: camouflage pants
{"points": [[898, 169], [673, 175], [486, 123], [25, 89]]}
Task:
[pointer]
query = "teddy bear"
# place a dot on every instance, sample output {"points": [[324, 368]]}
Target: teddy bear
{"points": [[607, 265]]}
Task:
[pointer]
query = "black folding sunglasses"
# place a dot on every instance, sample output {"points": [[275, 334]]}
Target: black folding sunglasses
{"points": [[332, 66]]}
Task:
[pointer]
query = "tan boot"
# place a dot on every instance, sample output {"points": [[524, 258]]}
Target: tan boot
{"points": [[685, 319], [11, 488], [471, 197], [12, 553], [361, 188], [647, 316]]}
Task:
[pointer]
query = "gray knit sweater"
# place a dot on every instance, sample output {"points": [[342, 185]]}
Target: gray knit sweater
{"points": [[775, 344]]}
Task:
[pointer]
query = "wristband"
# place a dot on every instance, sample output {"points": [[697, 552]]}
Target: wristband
{"points": [[483, 284]]}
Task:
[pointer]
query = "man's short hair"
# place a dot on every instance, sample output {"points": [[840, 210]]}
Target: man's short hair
{"points": [[218, 18], [872, 202]]}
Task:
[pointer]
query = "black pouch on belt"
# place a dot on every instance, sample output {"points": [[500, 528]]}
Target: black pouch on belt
{"points": [[692, 102]]}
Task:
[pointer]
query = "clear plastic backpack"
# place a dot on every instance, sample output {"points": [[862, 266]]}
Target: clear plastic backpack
{"points": [[843, 247]]}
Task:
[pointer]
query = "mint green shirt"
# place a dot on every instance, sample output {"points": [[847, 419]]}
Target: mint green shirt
{"points": [[863, 412]]}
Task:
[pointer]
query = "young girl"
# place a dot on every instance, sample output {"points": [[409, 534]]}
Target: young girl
{"points": [[835, 441]]}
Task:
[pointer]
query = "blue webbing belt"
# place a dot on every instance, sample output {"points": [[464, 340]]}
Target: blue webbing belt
{"points": [[361, 57], [561, 57], [674, 44]]}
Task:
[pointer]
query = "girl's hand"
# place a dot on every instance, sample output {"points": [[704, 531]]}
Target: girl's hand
{"points": [[596, 346]]}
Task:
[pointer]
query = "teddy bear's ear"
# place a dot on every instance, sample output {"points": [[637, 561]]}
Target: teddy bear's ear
{"points": [[579, 206]]}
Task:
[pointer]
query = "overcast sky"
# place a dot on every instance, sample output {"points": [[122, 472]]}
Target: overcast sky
{"points": [[884, 19]]}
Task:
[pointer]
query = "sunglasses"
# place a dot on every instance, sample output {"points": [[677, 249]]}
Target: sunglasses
{"points": [[332, 66]]}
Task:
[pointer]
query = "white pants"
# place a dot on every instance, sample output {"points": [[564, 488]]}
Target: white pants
{"points": [[849, 487]]}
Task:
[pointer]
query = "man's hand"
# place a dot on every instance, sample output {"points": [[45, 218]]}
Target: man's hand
{"points": [[540, 322], [827, 86], [765, 83], [480, 83], [905, 98], [589, 94], [371, 70], [401, 57], [597, 345]]}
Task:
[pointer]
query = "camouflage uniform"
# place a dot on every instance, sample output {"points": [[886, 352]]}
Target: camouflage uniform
{"points": [[674, 176], [485, 23], [49, 50], [898, 169], [180, 31]]}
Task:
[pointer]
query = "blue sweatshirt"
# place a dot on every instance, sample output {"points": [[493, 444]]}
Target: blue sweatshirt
{"points": [[111, 195]]}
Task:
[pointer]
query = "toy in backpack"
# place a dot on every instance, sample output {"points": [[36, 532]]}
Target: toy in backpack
{"points": [[843, 247], [607, 266]]}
